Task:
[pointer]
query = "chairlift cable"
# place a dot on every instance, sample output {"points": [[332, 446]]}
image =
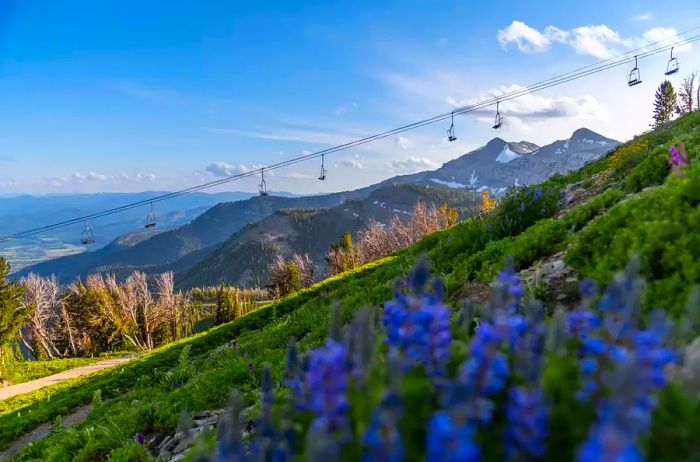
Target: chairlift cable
{"points": [[582, 72]]}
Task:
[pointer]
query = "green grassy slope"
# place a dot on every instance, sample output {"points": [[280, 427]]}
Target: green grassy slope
{"points": [[641, 207]]}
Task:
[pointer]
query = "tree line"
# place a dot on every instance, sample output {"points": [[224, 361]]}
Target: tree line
{"points": [[39, 319], [374, 241]]}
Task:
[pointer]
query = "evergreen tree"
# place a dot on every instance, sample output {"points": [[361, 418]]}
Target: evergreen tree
{"points": [[226, 305], [12, 315], [664, 104]]}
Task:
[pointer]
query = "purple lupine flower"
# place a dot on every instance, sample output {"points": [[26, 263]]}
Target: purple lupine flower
{"points": [[418, 325], [229, 447], [629, 362], [527, 409], [527, 423], [250, 365], [678, 159], [140, 439], [451, 438], [538, 194], [382, 440], [328, 378]]}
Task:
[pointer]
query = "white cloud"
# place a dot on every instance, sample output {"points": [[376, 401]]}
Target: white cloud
{"points": [[665, 36], [306, 152], [136, 176], [90, 176], [534, 107], [403, 142], [296, 176], [413, 163], [225, 169], [354, 163], [647, 15], [555, 34], [599, 41], [527, 38], [306, 136]]}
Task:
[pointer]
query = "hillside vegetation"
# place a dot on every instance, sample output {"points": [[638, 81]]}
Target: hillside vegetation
{"points": [[629, 202]]}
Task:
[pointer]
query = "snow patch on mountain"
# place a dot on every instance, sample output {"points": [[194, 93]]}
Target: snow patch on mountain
{"points": [[449, 184], [506, 155]]}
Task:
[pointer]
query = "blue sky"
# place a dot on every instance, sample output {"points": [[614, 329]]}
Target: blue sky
{"points": [[133, 95]]}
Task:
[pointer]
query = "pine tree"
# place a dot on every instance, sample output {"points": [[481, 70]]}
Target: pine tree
{"points": [[12, 315], [664, 104]]}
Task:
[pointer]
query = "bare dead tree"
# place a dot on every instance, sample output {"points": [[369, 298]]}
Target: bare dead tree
{"points": [[686, 93], [306, 268], [173, 305], [40, 332]]}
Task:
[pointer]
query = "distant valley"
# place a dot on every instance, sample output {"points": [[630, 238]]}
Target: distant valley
{"points": [[234, 240]]}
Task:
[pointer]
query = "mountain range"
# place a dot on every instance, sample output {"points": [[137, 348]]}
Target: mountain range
{"points": [[233, 241]]}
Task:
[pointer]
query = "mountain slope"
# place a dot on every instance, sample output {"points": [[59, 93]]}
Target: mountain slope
{"points": [[499, 164], [211, 227], [634, 182], [19, 213], [242, 259], [496, 166]]}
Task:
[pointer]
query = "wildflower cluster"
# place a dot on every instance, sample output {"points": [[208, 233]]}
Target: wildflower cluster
{"points": [[418, 325], [622, 365], [621, 358]]}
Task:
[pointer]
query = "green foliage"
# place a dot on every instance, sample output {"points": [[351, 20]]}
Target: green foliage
{"points": [[664, 104], [662, 226], [57, 425], [97, 399], [180, 374], [12, 315], [131, 452]]}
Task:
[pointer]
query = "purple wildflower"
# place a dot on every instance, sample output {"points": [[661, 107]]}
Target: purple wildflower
{"points": [[418, 326], [382, 440], [527, 422], [678, 159], [527, 409], [229, 441], [451, 438], [328, 378], [629, 362], [538, 194], [251, 366], [140, 439]]}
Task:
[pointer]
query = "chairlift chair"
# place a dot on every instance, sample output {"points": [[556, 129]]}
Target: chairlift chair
{"points": [[262, 187], [151, 219], [498, 121], [451, 131], [88, 237], [634, 77], [673, 65], [323, 169]]}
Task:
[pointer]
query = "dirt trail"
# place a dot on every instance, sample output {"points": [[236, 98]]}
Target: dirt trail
{"points": [[26, 387], [77, 416]]}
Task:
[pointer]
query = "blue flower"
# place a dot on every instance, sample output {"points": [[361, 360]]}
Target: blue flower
{"points": [[418, 326], [382, 440], [538, 194], [527, 423], [327, 378], [451, 439]]}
